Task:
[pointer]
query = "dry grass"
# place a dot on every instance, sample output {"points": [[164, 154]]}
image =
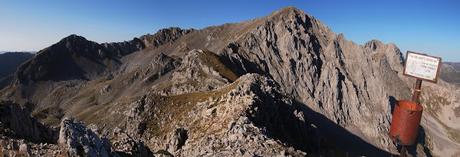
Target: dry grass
{"points": [[214, 61], [177, 107], [166, 86], [51, 116], [89, 114], [453, 134], [434, 103], [99, 115]]}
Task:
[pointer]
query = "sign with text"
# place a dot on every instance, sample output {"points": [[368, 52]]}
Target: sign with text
{"points": [[422, 66]]}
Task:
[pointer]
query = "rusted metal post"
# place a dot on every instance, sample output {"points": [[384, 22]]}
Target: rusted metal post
{"points": [[416, 99], [417, 91], [407, 115]]}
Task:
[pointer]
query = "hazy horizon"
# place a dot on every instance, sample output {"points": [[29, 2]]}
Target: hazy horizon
{"points": [[422, 26]]}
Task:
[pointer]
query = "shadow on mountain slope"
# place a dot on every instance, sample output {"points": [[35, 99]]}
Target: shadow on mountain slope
{"points": [[16, 122], [335, 134], [420, 141], [304, 129]]}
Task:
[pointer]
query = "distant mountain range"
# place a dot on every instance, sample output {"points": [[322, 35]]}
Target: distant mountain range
{"points": [[450, 72], [9, 61], [1, 52]]}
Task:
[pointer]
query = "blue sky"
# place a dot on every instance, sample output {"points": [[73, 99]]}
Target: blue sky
{"points": [[427, 26]]}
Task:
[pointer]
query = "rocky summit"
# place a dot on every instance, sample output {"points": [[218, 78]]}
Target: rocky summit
{"points": [[280, 85]]}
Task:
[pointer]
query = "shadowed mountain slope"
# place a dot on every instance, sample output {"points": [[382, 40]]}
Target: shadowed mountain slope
{"points": [[9, 62]]}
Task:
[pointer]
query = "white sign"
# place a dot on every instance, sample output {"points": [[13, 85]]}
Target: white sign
{"points": [[422, 66]]}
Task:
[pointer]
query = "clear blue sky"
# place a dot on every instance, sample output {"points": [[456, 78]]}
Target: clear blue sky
{"points": [[427, 26]]}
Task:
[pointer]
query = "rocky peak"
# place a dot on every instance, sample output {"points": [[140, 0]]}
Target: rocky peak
{"points": [[290, 12], [387, 52], [374, 44], [295, 18], [324, 70], [73, 57], [78, 45], [164, 36], [81, 141], [74, 38]]}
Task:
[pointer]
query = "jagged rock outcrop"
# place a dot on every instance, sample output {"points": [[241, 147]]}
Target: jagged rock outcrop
{"points": [[199, 71], [23, 135], [125, 145], [10, 147], [161, 37], [81, 141], [124, 48], [164, 36]]}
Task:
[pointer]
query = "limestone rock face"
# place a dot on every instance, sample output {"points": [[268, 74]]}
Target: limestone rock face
{"points": [[199, 71], [342, 80], [125, 145], [81, 141]]}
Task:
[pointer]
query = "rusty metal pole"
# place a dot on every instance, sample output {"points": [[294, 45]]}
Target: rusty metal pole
{"points": [[416, 99], [417, 91]]}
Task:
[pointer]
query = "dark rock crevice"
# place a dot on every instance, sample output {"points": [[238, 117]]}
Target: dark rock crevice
{"points": [[17, 119]]}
